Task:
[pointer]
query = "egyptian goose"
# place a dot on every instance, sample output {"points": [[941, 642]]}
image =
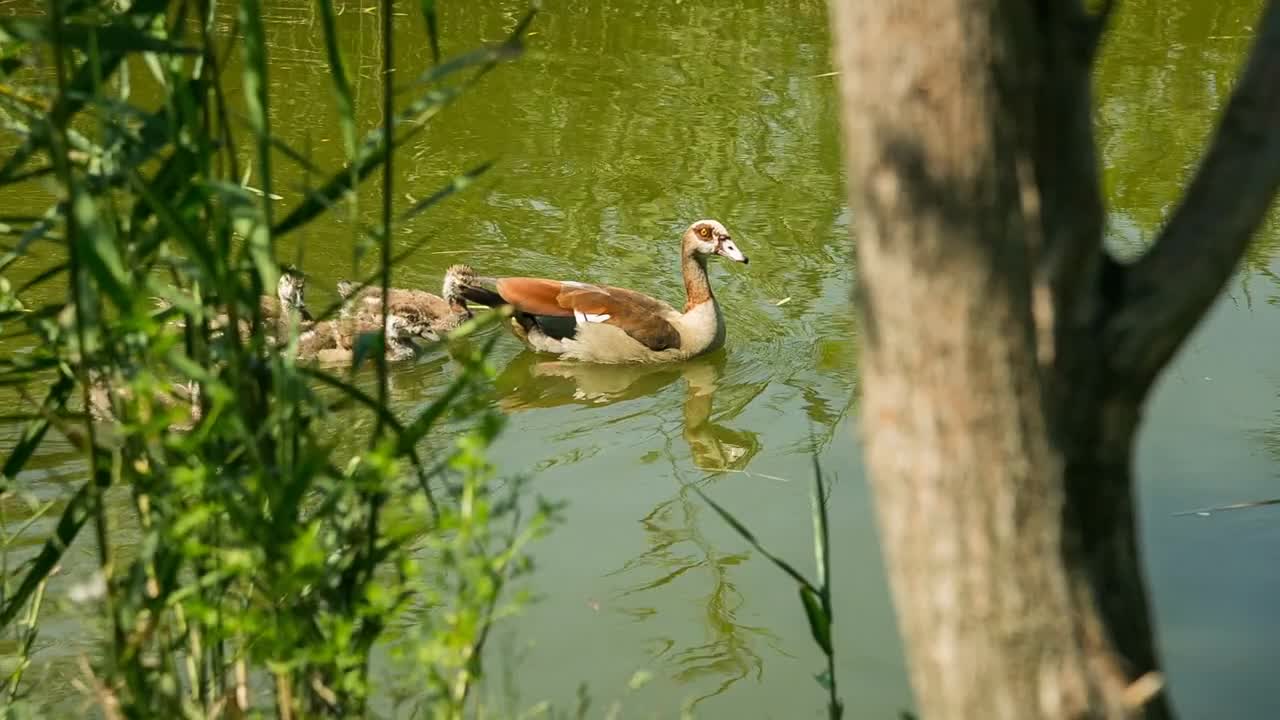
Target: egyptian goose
{"points": [[101, 406], [605, 324], [290, 298], [437, 315], [334, 341], [289, 302]]}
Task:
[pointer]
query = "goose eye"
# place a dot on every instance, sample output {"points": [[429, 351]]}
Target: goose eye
{"points": [[704, 231]]}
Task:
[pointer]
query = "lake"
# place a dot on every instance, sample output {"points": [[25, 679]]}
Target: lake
{"points": [[626, 121]]}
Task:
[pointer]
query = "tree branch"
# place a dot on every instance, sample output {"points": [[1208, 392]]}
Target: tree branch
{"points": [[1067, 201], [1170, 288]]}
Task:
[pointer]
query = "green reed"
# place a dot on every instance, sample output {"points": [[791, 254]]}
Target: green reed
{"points": [[265, 567]]}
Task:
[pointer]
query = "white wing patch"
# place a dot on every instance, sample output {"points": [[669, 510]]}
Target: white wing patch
{"points": [[582, 317]]}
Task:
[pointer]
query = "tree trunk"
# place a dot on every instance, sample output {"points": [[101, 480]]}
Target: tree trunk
{"points": [[1006, 358]]}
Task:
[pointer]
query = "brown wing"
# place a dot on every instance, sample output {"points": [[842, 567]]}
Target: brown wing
{"points": [[638, 315], [632, 298], [534, 296]]}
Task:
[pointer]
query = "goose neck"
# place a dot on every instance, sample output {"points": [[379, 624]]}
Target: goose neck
{"points": [[697, 287]]}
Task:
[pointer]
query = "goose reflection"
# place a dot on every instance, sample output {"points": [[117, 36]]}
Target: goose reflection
{"points": [[677, 550], [531, 381], [713, 445]]}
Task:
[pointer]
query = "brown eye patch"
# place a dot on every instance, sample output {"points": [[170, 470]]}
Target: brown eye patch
{"points": [[704, 231]]}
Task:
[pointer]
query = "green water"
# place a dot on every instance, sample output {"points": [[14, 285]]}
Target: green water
{"points": [[627, 121]]}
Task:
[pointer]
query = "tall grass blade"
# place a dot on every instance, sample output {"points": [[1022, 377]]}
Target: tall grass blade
{"points": [[169, 217], [341, 86], [1232, 506], [485, 57], [456, 185], [816, 600], [302, 160], [384, 240], [256, 85]]}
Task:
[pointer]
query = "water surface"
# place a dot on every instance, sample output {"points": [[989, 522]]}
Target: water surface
{"points": [[626, 122]]}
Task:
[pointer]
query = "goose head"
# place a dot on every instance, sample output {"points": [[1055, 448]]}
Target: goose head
{"points": [[397, 327], [404, 326], [455, 279], [708, 237]]}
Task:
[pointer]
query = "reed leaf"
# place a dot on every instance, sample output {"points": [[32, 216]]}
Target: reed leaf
{"points": [[355, 394], [140, 14], [77, 512], [33, 434], [750, 537], [114, 37], [456, 185], [819, 621], [99, 253], [821, 534], [42, 277]]}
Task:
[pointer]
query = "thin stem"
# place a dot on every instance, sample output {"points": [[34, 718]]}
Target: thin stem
{"points": [[388, 115], [62, 167], [377, 496], [835, 709], [29, 639], [284, 695], [220, 100]]}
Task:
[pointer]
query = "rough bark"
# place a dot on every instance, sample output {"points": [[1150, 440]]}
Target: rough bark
{"points": [[1006, 357]]}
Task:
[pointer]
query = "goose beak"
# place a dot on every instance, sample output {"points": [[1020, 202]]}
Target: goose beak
{"points": [[726, 248]]}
